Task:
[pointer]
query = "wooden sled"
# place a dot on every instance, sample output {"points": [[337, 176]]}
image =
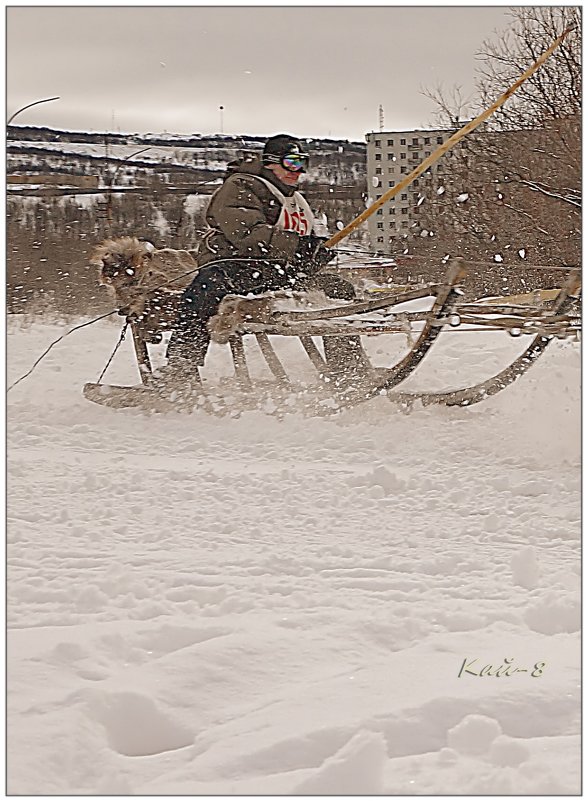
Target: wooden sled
{"points": [[335, 389]]}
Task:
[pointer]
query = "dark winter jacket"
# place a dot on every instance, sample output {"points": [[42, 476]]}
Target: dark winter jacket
{"points": [[243, 215]]}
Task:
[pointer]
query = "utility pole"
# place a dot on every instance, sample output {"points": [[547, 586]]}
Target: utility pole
{"points": [[221, 109]]}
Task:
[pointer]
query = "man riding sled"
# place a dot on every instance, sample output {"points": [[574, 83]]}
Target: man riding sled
{"points": [[261, 238]]}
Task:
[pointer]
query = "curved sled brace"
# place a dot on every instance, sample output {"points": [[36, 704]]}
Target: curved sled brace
{"points": [[485, 389], [446, 296]]}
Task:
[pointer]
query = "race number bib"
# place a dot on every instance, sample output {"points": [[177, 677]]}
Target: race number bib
{"points": [[296, 215], [294, 220]]}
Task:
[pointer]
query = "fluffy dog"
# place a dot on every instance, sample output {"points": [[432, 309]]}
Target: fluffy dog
{"points": [[145, 283], [133, 269]]}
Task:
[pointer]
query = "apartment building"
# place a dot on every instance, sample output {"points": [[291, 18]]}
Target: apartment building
{"points": [[391, 156]]}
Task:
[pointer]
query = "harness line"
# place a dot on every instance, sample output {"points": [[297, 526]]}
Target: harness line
{"points": [[116, 347]]}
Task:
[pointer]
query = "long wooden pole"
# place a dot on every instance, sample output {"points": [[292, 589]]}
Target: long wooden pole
{"points": [[447, 145]]}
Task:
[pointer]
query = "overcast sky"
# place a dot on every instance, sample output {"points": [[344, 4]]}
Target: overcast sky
{"points": [[310, 71]]}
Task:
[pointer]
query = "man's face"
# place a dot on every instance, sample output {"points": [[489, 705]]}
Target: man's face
{"points": [[285, 176]]}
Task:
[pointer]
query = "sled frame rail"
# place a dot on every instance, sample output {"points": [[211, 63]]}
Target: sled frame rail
{"points": [[562, 312]]}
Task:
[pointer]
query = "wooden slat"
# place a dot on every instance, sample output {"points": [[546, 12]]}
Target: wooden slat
{"points": [[271, 358], [239, 360], [314, 353], [142, 353], [358, 307]]}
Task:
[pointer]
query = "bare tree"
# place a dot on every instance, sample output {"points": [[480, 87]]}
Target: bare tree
{"points": [[554, 91], [514, 187]]}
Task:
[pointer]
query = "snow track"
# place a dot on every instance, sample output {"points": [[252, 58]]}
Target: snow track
{"points": [[228, 606]]}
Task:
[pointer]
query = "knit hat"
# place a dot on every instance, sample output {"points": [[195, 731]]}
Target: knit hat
{"points": [[279, 146]]}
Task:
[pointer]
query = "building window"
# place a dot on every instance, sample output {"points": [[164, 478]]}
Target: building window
{"points": [[378, 197], [404, 210], [391, 169], [390, 142], [403, 155], [415, 197], [380, 225], [379, 184], [403, 197], [380, 239], [378, 170], [392, 210], [415, 140], [390, 184], [403, 141], [439, 140], [404, 170], [392, 224], [416, 156], [427, 140], [427, 153], [405, 224], [391, 157], [379, 211], [378, 143], [378, 157], [415, 183]]}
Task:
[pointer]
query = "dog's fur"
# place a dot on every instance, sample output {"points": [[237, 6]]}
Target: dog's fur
{"points": [[234, 310], [133, 270], [145, 283]]}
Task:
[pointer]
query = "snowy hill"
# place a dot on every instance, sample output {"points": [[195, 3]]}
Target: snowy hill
{"points": [[334, 162]]}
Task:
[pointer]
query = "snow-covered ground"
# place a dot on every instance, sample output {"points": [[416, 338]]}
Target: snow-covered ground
{"points": [[202, 605]]}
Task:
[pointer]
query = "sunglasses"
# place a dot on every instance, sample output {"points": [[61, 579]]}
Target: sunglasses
{"points": [[295, 162]]}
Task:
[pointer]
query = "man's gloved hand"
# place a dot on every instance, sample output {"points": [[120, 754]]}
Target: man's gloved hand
{"points": [[305, 251], [324, 255], [311, 254]]}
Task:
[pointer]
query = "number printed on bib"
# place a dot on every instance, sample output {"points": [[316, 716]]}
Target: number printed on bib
{"points": [[295, 220], [296, 215]]}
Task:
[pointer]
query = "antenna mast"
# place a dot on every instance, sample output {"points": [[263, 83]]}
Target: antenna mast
{"points": [[381, 117]]}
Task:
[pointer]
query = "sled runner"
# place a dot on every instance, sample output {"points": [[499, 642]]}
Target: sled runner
{"points": [[350, 379]]}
